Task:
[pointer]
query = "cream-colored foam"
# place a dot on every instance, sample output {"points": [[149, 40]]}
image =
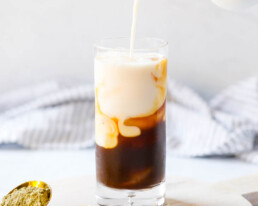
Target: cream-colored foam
{"points": [[127, 88]]}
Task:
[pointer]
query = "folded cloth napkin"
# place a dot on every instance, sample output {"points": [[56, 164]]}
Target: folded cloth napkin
{"points": [[61, 115], [227, 125], [47, 116]]}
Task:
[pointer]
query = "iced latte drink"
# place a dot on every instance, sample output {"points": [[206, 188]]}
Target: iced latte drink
{"points": [[130, 120]]}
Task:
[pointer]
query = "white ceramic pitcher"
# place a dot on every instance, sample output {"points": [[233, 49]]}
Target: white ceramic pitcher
{"points": [[235, 4]]}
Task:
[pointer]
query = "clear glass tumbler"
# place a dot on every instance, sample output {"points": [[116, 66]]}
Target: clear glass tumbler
{"points": [[130, 121]]}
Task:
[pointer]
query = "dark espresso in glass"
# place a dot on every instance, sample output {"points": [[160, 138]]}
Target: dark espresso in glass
{"points": [[130, 122], [130, 152], [135, 163]]}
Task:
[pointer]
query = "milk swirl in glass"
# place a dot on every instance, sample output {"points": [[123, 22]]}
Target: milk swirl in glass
{"points": [[130, 102]]}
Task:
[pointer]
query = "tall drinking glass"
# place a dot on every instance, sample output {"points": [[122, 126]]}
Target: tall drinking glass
{"points": [[130, 121]]}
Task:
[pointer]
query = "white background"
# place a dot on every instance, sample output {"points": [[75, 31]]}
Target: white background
{"points": [[210, 48], [40, 40]]}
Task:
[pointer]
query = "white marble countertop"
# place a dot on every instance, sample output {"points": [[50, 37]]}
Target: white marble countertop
{"points": [[18, 166]]}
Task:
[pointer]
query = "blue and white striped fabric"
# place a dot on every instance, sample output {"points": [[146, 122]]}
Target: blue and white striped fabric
{"points": [[57, 115], [51, 115], [227, 125]]}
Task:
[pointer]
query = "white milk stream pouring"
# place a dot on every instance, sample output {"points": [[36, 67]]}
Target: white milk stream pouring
{"points": [[133, 29]]}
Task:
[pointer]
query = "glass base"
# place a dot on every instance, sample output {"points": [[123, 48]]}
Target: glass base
{"points": [[107, 196]]}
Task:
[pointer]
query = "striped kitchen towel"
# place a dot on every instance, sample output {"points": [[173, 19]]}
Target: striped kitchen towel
{"points": [[60, 115], [54, 115], [227, 125]]}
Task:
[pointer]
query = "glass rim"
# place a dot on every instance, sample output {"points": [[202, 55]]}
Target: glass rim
{"points": [[162, 44]]}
